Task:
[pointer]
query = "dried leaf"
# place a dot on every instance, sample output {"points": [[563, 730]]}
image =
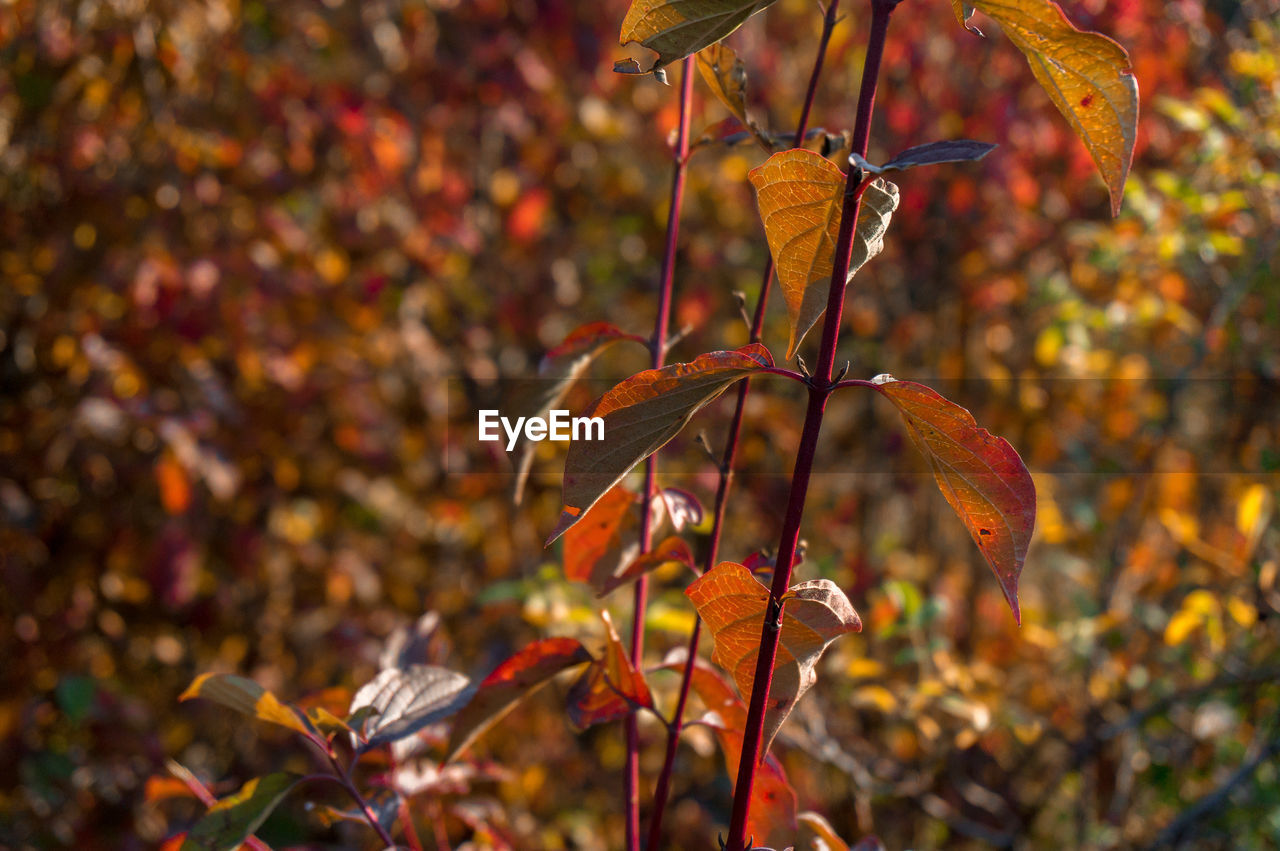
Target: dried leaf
{"points": [[726, 76], [248, 698], [677, 28], [610, 688], [511, 681], [1088, 77], [594, 548], [408, 699], [800, 195], [672, 550], [233, 819], [980, 475], [733, 603], [640, 415]]}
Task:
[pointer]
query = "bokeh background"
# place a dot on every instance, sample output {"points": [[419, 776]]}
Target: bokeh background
{"points": [[260, 259]]}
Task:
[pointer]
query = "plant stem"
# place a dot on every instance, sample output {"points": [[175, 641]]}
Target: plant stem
{"points": [[663, 790], [658, 348], [343, 779], [819, 390]]}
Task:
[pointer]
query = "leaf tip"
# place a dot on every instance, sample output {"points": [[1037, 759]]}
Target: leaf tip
{"points": [[568, 517]]}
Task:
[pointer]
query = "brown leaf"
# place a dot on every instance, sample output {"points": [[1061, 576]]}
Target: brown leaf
{"points": [[980, 474], [1088, 77], [733, 604], [640, 415], [511, 681], [677, 28], [594, 548], [610, 688], [726, 76], [672, 550], [800, 195]]}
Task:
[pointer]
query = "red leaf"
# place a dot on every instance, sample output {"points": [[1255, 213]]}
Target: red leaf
{"points": [[672, 550], [593, 549], [610, 687]]}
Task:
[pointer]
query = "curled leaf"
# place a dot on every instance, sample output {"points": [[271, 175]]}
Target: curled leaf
{"points": [[672, 551], [800, 195], [676, 28], [640, 415], [981, 476], [733, 603], [1087, 76], [610, 687]]}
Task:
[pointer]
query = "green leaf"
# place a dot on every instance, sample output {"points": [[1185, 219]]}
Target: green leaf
{"points": [[640, 415], [677, 28], [233, 819], [981, 476], [801, 195], [247, 697], [1088, 77]]}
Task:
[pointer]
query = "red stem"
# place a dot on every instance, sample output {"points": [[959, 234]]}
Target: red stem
{"points": [[663, 790], [658, 347], [820, 389]]}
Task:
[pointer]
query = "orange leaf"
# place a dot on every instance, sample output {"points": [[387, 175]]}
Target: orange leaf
{"points": [[733, 603], [980, 475], [511, 681], [1087, 76], [593, 548], [247, 697], [800, 194], [640, 415], [672, 550], [175, 488], [610, 687]]}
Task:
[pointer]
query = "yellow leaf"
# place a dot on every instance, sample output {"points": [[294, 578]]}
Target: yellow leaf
{"points": [[1254, 510], [800, 195], [878, 697], [1180, 626], [726, 76], [247, 697], [677, 28], [1241, 612], [1087, 76]]}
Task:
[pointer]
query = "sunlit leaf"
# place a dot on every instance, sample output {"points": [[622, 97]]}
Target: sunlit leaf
{"points": [[726, 76], [819, 825], [733, 604], [594, 548], [682, 508], [933, 153], [230, 821], [677, 28], [408, 699], [610, 688], [640, 415], [773, 800], [980, 475], [559, 369], [672, 551], [511, 681], [800, 195], [1087, 76], [247, 697]]}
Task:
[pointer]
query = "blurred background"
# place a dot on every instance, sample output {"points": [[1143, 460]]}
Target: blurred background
{"points": [[259, 260]]}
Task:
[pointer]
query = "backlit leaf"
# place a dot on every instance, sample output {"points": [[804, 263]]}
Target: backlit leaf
{"points": [[682, 508], [980, 475], [672, 550], [247, 697], [819, 825], [677, 28], [408, 699], [559, 369], [933, 153], [594, 548], [733, 604], [230, 821], [1087, 76], [610, 687], [640, 415], [726, 76], [511, 681], [800, 195]]}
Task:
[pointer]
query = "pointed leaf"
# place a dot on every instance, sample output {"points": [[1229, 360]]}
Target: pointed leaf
{"points": [[230, 822], [933, 153], [733, 604], [980, 474], [610, 688], [800, 195], [1088, 77], [247, 697], [640, 415], [672, 550], [559, 369], [773, 800], [511, 681], [408, 699], [677, 28], [593, 549]]}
